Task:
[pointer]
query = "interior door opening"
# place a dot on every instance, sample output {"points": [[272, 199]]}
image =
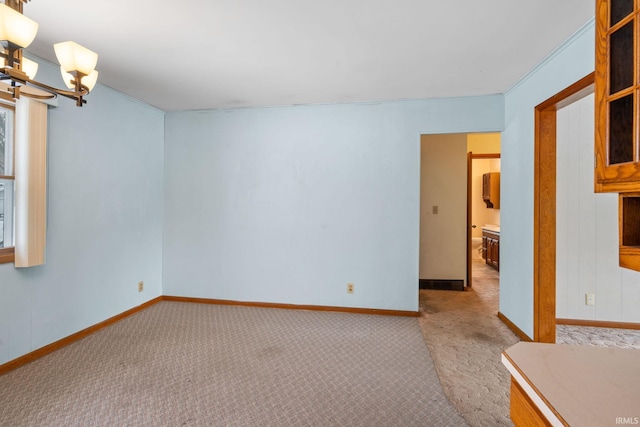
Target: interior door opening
{"points": [[544, 210], [445, 233], [483, 213]]}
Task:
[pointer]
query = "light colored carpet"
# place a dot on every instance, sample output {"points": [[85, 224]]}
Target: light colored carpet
{"points": [[599, 337], [180, 364], [465, 338]]}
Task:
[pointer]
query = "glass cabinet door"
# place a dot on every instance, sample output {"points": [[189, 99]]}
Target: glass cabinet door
{"points": [[617, 86]]}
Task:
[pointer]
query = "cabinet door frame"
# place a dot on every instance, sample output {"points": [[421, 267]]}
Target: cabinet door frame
{"points": [[621, 177]]}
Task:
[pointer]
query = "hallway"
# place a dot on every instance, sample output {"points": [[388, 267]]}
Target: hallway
{"points": [[465, 338]]}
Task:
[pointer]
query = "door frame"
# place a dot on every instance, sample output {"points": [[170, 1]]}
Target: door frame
{"points": [[470, 158], [544, 210]]}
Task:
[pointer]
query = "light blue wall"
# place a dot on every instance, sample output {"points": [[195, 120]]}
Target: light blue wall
{"points": [[289, 204], [104, 234], [281, 205], [568, 64]]}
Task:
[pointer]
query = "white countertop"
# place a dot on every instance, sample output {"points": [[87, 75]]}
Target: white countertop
{"points": [[491, 227], [578, 385]]}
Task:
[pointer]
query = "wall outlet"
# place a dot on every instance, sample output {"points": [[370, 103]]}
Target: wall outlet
{"points": [[434, 210], [590, 299], [140, 286], [349, 288]]}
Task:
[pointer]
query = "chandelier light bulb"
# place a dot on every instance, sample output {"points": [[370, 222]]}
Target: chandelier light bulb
{"points": [[77, 63], [88, 81], [73, 57], [16, 28], [29, 67]]}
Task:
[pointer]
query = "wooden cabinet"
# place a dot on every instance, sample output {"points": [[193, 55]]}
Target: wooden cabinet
{"points": [[629, 230], [617, 88], [617, 126], [491, 248], [491, 189], [548, 386]]}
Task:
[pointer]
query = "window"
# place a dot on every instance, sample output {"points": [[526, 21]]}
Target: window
{"points": [[23, 182], [7, 179]]}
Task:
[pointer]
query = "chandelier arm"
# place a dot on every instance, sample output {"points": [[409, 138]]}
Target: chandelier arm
{"points": [[34, 96], [18, 76], [11, 52], [66, 93]]}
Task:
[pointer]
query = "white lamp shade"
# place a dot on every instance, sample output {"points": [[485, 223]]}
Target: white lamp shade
{"points": [[89, 81], [74, 57], [16, 28], [29, 67], [66, 77]]}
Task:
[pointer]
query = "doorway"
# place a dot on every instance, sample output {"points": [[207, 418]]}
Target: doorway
{"points": [[444, 206], [544, 213], [483, 215]]}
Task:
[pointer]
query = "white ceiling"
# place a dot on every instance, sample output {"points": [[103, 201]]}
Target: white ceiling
{"points": [[201, 54]]}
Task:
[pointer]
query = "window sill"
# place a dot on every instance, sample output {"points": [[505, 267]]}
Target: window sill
{"points": [[7, 255]]}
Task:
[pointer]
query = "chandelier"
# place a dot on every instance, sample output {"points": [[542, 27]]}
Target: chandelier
{"points": [[77, 63]]}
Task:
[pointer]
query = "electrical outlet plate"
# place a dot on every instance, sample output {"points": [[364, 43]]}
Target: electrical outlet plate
{"points": [[349, 288], [140, 286], [590, 299]]}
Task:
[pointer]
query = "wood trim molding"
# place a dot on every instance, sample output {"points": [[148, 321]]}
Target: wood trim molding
{"points": [[544, 211], [514, 328], [50, 348], [534, 397], [544, 225], [468, 243], [293, 306], [599, 324], [7, 255], [571, 94]]}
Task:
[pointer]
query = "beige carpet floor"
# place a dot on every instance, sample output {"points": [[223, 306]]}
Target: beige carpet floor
{"points": [[599, 337], [466, 338], [182, 364], [178, 364]]}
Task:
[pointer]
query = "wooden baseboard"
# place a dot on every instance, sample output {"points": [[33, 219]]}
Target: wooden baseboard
{"points": [[294, 306], [514, 328], [43, 351], [598, 323]]}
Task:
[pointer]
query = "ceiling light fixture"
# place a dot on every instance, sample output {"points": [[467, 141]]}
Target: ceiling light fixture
{"points": [[77, 63]]}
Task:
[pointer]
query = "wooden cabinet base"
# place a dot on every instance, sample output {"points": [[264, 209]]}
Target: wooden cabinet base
{"points": [[523, 411], [491, 248]]}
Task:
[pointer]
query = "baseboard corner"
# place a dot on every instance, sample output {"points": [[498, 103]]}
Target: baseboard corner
{"points": [[56, 345], [515, 329]]}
